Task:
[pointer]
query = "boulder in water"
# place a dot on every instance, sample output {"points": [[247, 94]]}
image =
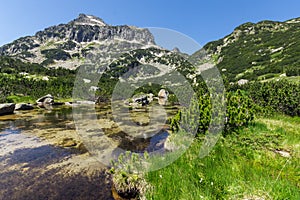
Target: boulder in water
{"points": [[163, 93], [24, 106], [46, 99], [7, 108]]}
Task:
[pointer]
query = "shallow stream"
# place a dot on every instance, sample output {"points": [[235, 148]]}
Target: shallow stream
{"points": [[43, 155]]}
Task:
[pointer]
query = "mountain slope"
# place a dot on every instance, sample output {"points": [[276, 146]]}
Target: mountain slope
{"points": [[258, 51], [66, 45], [49, 60], [253, 52]]}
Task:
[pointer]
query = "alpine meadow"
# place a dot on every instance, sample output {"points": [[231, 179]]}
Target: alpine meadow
{"points": [[90, 110]]}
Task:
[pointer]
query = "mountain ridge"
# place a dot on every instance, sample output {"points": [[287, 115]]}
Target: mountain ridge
{"points": [[253, 51], [258, 51], [74, 40]]}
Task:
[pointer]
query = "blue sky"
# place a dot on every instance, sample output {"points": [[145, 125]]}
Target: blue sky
{"points": [[203, 21]]}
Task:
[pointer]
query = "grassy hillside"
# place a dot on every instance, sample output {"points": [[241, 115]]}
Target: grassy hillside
{"points": [[260, 161], [25, 82], [258, 51]]}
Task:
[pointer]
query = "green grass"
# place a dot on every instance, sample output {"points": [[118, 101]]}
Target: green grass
{"points": [[64, 99], [243, 165], [29, 99], [20, 99], [294, 79]]}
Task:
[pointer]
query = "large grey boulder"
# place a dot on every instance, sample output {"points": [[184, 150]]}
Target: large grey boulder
{"points": [[24, 106], [7, 108], [163, 93], [47, 99]]}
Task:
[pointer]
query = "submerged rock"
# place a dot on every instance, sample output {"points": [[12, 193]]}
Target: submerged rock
{"points": [[142, 99], [7, 108]]}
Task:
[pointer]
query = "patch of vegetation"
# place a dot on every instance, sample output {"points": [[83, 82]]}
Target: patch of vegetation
{"points": [[244, 164], [280, 96], [127, 182], [56, 54], [69, 45], [18, 82], [239, 112], [19, 99]]}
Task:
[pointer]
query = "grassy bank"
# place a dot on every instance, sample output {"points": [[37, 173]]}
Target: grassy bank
{"points": [[30, 99], [245, 165]]}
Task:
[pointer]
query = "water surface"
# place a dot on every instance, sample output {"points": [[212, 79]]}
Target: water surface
{"points": [[43, 157]]}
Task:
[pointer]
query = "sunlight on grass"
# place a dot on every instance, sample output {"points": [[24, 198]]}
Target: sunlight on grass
{"points": [[244, 165]]}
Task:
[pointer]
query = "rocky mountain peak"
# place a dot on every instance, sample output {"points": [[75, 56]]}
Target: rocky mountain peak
{"points": [[176, 50], [84, 19], [66, 45]]}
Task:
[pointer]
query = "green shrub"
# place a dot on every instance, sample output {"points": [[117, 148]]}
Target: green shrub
{"points": [[240, 111], [280, 96]]}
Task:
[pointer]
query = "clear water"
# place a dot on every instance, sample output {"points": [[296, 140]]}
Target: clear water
{"points": [[32, 156]]}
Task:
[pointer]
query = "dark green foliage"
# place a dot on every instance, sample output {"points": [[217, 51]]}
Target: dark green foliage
{"points": [[293, 71], [204, 112], [12, 82], [48, 61], [69, 45], [280, 96], [240, 111], [175, 122], [76, 55], [57, 54], [149, 88]]}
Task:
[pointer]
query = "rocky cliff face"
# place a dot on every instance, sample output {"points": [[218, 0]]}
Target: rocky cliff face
{"points": [[73, 41]]}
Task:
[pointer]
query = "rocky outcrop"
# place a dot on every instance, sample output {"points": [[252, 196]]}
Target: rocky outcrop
{"points": [[7, 108], [24, 106]]}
